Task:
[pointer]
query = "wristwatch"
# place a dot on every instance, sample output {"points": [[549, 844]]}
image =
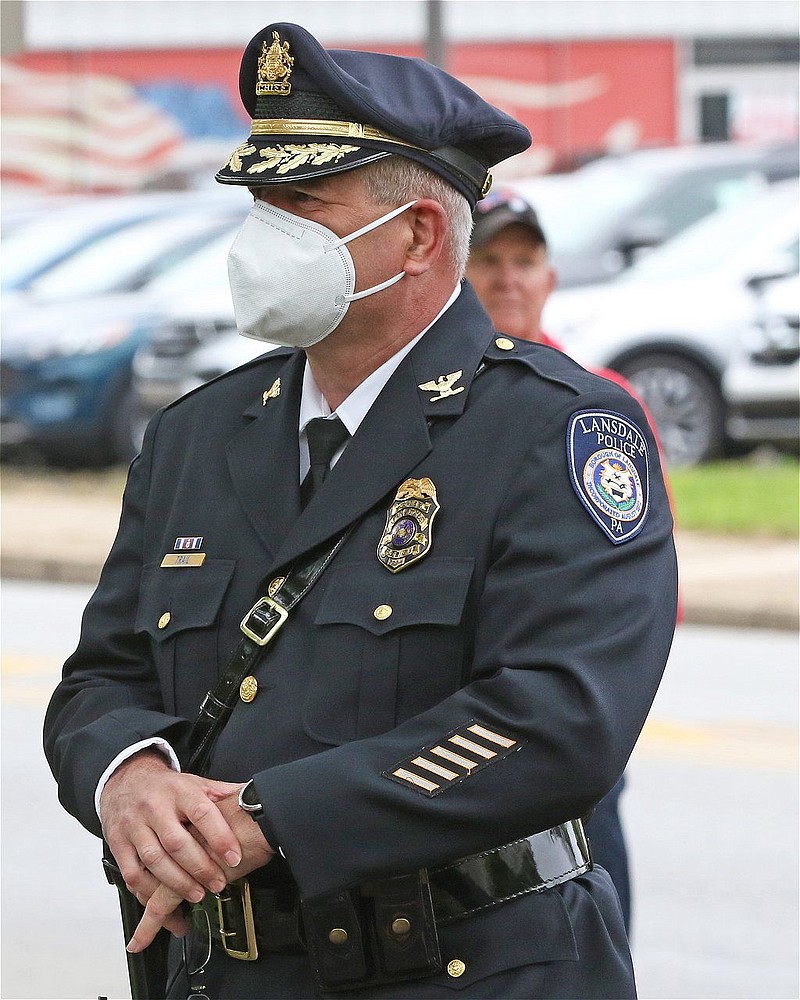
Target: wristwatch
{"points": [[248, 800]]}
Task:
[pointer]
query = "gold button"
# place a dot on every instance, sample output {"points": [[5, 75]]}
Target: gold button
{"points": [[164, 620], [401, 926], [276, 585], [248, 689], [338, 935], [504, 344], [382, 612], [456, 968]]}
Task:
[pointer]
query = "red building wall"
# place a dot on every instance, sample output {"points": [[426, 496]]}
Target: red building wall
{"points": [[576, 97]]}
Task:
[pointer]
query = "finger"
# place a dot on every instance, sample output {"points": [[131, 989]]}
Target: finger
{"points": [[176, 861], [137, 878], [209, 822], [217, 790], [177, 924], [161, 907]]}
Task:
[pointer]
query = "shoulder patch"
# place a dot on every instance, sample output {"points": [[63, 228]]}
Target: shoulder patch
{"points": [[609, 467]]}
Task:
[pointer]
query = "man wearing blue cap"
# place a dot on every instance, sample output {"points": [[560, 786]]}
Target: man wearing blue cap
{"points": [[442, 559]]}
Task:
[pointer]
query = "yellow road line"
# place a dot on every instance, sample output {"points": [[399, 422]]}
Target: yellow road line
{"points": [[28, 680], [756, 745], [27, 664]]}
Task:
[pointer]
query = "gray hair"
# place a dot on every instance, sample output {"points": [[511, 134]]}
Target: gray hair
{"points": [[394, 180]]}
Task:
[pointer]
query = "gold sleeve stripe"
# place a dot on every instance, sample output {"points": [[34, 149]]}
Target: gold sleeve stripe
{"points": [[454, 758], [415, 779], [487, 734], [436, 767], [466, 744], [429, 765]]}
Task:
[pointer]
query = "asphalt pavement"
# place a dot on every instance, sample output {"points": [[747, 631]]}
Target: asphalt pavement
{"points": [[60, 528]]}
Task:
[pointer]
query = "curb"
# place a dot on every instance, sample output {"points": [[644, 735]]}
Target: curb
{"points": [[42, 570]]}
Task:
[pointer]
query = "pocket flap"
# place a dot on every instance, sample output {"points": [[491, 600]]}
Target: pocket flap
{"points": [[533, 928], [431, 592], [172, 600]]}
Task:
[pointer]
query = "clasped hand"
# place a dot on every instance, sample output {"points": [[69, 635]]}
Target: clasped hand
{"points": [[174, 836]]}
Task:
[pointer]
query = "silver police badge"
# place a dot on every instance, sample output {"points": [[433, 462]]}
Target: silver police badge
{"points": [[407, 535]]}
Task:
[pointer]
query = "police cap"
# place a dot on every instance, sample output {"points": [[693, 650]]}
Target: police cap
{"points": [[319, 111]]}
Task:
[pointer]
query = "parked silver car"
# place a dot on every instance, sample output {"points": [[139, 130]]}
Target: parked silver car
{"points": [[601, 218], [762, 383], [672, 323]]}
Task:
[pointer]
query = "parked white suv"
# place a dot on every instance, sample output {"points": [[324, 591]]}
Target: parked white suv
{"points": [[672, 324]]}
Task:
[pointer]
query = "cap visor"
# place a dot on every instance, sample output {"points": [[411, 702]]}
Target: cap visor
{"points": [[281, 159]]}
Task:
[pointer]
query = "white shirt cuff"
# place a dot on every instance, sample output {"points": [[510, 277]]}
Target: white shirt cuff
{"points": [[155, 741]]}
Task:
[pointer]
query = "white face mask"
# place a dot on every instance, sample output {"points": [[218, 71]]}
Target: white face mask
{"points": [[292, 280]]}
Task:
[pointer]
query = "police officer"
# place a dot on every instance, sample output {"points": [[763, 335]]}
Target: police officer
{"points": [[510, 269], [444, 556]]}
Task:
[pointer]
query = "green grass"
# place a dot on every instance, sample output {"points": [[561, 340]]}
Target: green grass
{"points": [[741, 497], [749, 496]]}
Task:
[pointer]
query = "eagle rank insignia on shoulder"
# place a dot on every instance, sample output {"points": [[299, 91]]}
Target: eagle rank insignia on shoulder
{"points": [[407, 534], [610, 472]]}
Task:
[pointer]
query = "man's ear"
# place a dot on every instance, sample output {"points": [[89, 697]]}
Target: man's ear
{"points": [[427, 223]]}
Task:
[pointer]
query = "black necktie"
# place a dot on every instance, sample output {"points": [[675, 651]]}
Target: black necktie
{"points": [[325, 437]]}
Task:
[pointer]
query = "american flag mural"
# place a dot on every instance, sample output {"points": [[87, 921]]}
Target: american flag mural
{"points": [[80, 132]]}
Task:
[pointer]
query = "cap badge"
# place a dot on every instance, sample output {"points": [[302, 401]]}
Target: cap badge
{"points": [[274, 68], [407, 534], [272, 393], [444, 386]]}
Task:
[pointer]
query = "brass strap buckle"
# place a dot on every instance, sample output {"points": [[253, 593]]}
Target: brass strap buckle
{"points": [[263, 620], [236, 925]]}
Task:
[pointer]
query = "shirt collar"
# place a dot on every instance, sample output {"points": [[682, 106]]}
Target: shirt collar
{"points": [[353, 410]]}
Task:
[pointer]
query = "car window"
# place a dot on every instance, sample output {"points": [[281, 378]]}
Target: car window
{"points": [[123, 260], [695, 195], [206, 269], [713, 240], [30, 248], [575, 212]]}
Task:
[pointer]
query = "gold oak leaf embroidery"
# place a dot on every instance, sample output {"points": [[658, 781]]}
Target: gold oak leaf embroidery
{"points": [[290, 157], [235, 162]]}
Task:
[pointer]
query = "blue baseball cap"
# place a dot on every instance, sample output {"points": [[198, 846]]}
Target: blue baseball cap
{"points": [[318, 111]]}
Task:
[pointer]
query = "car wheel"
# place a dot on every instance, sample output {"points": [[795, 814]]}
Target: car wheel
{"points": [[684, 402]]}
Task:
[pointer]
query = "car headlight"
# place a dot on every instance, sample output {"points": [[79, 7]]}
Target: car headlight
{"points": [[774, 341], [87, 341]]}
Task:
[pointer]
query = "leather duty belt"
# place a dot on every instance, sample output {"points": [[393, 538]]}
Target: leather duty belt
{"points": [[251, 920], [532, 864]]}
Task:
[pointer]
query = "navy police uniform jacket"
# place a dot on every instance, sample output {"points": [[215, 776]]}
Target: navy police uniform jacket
{"points": [[532, 613]]}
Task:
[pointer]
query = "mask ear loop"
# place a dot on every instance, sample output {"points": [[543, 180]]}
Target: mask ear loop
{"points": [[360, 232], [371, 225]]}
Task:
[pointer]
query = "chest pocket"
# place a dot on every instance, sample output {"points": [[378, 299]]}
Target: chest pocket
{"points": [[181, 604], [387, 646]]}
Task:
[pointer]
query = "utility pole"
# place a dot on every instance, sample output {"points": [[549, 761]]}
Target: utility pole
{"points": [[436, 46], [12, 30]]}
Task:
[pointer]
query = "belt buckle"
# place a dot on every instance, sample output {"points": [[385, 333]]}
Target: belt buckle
{"points": [[267, 616], [236, 924]]}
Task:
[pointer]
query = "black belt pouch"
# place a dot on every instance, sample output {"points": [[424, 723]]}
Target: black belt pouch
{"points": [[390, 928]]}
